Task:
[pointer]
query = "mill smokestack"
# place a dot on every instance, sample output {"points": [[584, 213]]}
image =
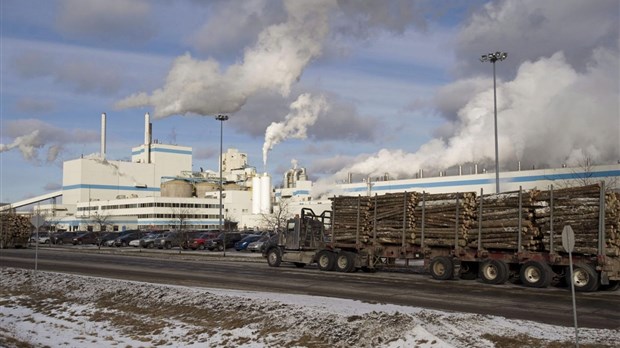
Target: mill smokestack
{"points": [[147, 137], [103, 135]]}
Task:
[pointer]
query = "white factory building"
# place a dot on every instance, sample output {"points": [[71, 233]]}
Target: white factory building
{"points": [[157, 189]]}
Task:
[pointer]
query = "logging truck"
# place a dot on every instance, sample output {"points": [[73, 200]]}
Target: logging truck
{"points": [[495, 238], [14, 230]]}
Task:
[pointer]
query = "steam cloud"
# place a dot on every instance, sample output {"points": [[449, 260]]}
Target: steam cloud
{"points": [[275, 62], [546, 115], [30, 136], [304, 112]]}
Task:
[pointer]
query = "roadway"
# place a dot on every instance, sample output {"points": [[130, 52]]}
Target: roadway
{"points": [[198, 269]]}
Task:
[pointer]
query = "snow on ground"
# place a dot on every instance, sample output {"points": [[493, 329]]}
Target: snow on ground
{"points": [[63, 310]]}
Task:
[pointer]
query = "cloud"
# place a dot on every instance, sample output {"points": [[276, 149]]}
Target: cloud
{"points": [[107, 21], [31, 105], [531, 29], [31, 135], [541, 121], [81, 75]]}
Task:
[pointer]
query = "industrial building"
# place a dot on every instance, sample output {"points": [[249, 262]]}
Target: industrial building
{"points": [[157, 189]]}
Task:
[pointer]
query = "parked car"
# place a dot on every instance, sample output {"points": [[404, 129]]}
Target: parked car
{"points": [[85, 238], [44, 238], [104, 237], [243, 244], [189, 237], [258, 244], [168, 240], [123, 240], [148, 241], [201, 241], [230, 237], [134, 243], [64, 238]]}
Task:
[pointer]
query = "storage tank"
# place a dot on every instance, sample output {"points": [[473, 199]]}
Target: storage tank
{"points": [[177, 188], [203, 187], [265, 194], [256, 195]]}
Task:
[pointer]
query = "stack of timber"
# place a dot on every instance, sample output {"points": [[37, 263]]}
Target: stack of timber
{"points": [[395, 215], [441, 227], [345, 225], [579, 207], [499, 222], [14, 230]]}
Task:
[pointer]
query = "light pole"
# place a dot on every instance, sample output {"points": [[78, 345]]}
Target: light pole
{"points": [[494, 57], [222, 118]]}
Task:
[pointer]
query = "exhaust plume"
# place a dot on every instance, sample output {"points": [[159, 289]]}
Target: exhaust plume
{"points": [[546, 115], [304, 112], [276, 61]]}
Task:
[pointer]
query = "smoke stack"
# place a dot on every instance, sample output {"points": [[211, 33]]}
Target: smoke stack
{"points": [[349, 178], [475, 168], [460, 170], [103, 135], [147, 136], [519, 165]]}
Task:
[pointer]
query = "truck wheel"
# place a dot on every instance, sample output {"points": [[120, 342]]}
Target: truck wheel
{"points": [[535, 274], [441, 268], [585, 278], [273, 257], [345, 262], [326, 260], [494, 272]]}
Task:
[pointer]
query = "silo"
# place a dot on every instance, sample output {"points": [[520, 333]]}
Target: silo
{"points": [[203, 187], [256, 195], [176, 188], [265, 194]]}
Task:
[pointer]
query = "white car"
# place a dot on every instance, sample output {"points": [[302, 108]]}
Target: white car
{"points": [[134, 243], [44, 238]]}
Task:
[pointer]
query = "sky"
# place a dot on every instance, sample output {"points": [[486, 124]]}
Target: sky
{"points": [[362, 87]]}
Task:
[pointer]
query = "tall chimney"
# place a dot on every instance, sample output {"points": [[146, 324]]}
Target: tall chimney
{"points": [[103, 135], [147, 137]]}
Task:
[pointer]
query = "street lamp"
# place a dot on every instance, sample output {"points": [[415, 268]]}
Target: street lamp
{"points": [[494, 57], [222, 118]]}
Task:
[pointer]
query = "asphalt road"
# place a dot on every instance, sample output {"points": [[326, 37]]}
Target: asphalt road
{"points": [[551, 305]]}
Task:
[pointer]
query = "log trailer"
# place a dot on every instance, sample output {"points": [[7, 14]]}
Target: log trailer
{"points": [[514, 235]]}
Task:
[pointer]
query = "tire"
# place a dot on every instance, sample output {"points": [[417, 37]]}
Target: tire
{"points": [[220, 247], [123, 244], [274, 258], [59, 242], [326, 260], [441, 268], [585, 278], [469, 270], [167, 246], [300, 264], [534, 274], [201, 247], [494, 272], [345, 262]]}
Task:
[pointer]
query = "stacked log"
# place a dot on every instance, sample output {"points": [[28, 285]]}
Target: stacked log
{"points": [[440, 218], [15, 230], [579, 207], [345, 219], [395, 213], [499, 222]]}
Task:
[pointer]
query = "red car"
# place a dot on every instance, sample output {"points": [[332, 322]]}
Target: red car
{"points": [[200, 241]]}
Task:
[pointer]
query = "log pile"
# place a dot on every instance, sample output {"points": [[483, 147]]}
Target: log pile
{"points": [[14, 230], [345, 218], [393, 212], [440, 219], [579, 208], [499, 221]]}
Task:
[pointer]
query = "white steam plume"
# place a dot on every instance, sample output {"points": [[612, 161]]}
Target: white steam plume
{"points": [[547, 115], [28, 144], [275, 62], [304, 112]]}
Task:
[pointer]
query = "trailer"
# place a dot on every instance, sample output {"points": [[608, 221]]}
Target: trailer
{"points": [[494, 238]]}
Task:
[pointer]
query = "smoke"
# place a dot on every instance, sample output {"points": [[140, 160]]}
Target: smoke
{"points": [[275, 62], [304, 112], [31, 135], [547, 115]]}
